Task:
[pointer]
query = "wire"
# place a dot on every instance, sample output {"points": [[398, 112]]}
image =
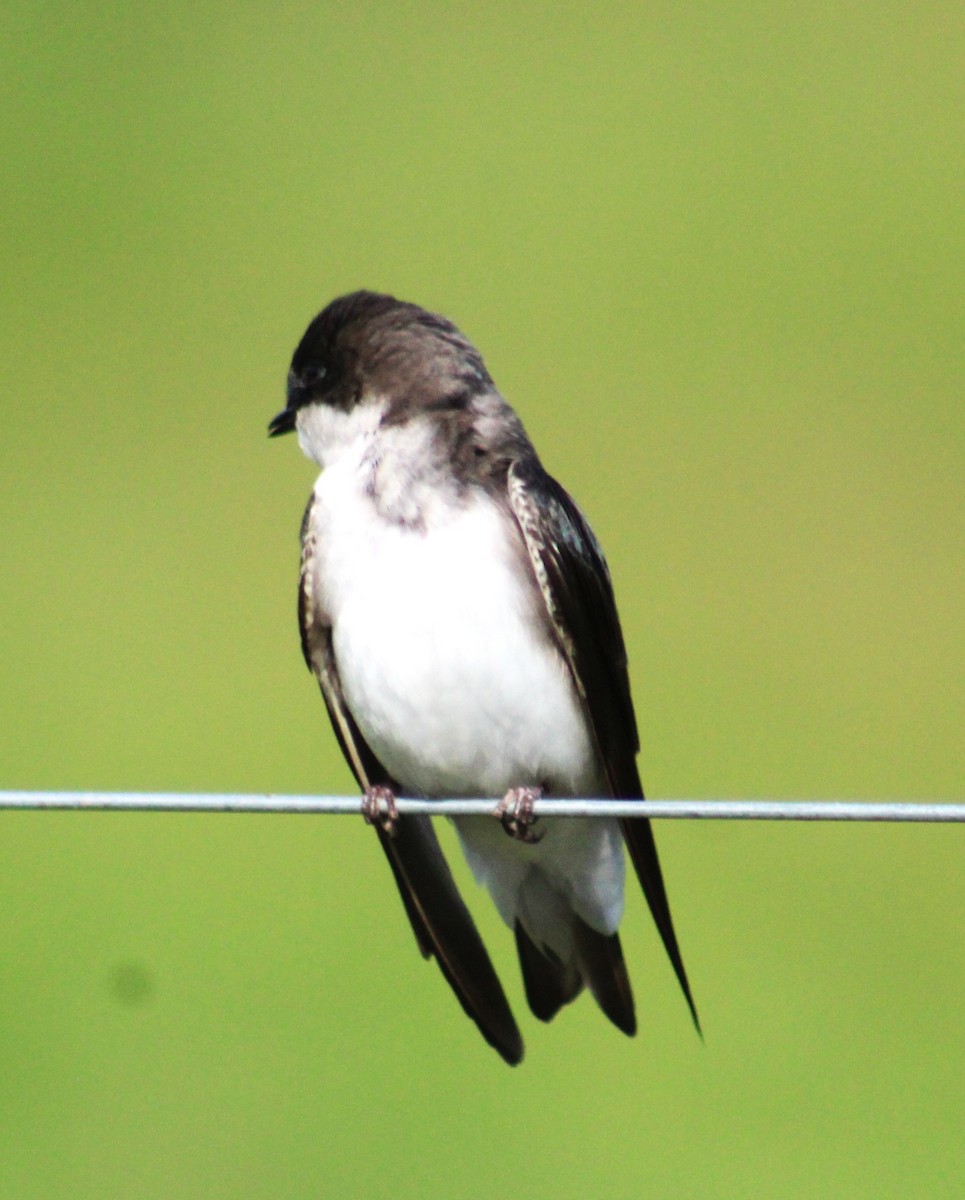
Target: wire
{"points": [[713, 810]]}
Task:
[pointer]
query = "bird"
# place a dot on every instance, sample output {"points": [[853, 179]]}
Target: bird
{"points": [[459, 616]]}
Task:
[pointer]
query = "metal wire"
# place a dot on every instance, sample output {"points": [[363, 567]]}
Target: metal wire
{"points": [[713, 810]]}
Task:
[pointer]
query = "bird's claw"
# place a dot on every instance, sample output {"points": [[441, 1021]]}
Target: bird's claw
{"points": [[515, 812], [378, 808]]}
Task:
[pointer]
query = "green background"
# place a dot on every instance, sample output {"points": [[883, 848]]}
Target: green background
{"points": [[713, 256]]}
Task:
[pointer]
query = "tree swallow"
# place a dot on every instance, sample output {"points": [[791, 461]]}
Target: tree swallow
{"points": [[458, 614]]}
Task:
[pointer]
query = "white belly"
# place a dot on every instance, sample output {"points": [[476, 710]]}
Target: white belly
{"points": [[449, 673], [442, 658]]}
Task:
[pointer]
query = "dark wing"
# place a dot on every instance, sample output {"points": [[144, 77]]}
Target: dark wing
{"points": [[575, 583], [440, 920]]}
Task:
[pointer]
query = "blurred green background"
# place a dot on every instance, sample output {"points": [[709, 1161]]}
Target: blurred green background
{"points": [[713, 256]]}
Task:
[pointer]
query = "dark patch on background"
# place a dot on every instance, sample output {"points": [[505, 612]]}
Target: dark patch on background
{"points": [[131, 984]]}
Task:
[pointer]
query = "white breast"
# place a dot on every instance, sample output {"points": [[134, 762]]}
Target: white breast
{"points": [[441, 654], [444, 660]]}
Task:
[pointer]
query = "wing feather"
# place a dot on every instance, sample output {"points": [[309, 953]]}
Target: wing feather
{"points": [[574, 580], [442, 924]]}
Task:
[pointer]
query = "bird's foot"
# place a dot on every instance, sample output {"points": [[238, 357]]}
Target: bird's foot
{"points": [[515, 812], [378, 808]]}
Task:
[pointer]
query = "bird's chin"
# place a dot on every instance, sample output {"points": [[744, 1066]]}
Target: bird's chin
{"points": [[310, 446], [327, 433]]}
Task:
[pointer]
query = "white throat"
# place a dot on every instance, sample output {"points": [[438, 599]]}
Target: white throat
{"points": [[327, 434], [400, 468]]}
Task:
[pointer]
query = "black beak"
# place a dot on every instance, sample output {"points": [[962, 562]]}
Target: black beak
{"points": [[284, 422]]}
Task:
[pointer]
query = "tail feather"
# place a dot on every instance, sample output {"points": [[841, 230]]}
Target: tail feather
{"points": [[600, 960], [548, 983], [597, 963]]}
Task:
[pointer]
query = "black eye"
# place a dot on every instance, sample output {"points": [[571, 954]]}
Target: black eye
{"points": [[313, 374], [305, 384]]}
